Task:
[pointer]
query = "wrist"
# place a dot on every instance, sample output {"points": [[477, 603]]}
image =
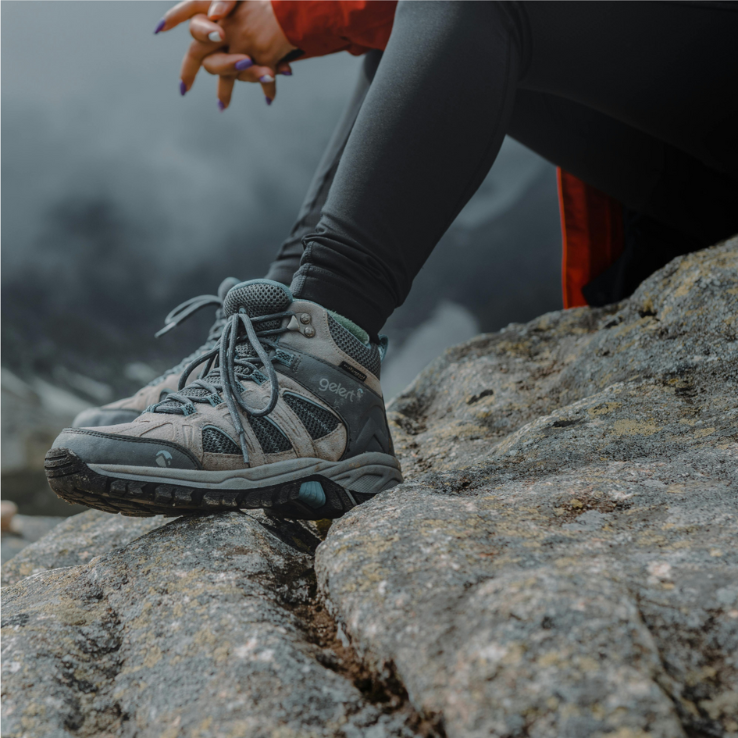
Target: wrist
{"points": [[282, 42]]}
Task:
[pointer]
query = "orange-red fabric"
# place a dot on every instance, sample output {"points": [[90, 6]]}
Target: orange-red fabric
{"points": [[321, 27], [592, 230]]}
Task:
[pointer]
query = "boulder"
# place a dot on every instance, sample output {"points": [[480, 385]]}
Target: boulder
{"points": [[563, 562], [200, 627], [75, 541], [560, 561]]}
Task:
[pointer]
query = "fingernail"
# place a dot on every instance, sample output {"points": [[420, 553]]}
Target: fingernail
{"points": [[266, 79], [182, 88], [268, 100], [215, 36], [286, 73], [159, 26], [221, 106], [216, 9], [244, 64]]}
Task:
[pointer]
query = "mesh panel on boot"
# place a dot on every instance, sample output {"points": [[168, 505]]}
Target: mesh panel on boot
{"points": [[258, 298], [246, 351], [270, 437], [367, 356], [214, 441], [317, 420]]}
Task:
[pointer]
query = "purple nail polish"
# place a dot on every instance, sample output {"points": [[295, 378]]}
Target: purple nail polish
{"points": [[266, 79], [221, 106], [159, 26], [244, 64], [286, 73], [182, 88], [268, 100]]}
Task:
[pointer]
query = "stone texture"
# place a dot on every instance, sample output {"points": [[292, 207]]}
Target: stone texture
{"points": [[75, 541], [24, 530], [189, 630], [561, 560]]}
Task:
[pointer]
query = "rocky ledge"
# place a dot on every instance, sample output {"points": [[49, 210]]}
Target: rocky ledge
{"points": [[561, 561]]}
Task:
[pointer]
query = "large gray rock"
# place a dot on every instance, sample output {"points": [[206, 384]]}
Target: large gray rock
{"points": [[75, 541], [564, 561], [198, 628], [561, 561]]}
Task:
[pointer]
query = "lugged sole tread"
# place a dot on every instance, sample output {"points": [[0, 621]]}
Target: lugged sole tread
{"points": [[72, 480]]}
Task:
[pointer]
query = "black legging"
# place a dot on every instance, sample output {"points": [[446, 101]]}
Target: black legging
{"points": [[638, 99]]}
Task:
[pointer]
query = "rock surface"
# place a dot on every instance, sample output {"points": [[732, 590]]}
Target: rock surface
{"points": [[24, 530], [193, 629], [561, 560], [75, 541]]}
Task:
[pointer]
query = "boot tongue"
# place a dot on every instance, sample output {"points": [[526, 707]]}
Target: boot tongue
{"points": [[258, 297], [226, 285]]}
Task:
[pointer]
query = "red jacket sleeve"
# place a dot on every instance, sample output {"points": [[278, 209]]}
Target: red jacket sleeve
{"points": [[592, 228], [320, 27]]}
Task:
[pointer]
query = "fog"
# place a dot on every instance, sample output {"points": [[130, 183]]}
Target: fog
{"points": [[121, 198]]}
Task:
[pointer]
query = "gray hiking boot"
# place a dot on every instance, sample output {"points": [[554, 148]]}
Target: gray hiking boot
{"points": [[129, 408], [288, 415]]}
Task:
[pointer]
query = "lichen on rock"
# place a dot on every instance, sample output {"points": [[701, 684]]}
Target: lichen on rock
{"points": [[560, 561]]}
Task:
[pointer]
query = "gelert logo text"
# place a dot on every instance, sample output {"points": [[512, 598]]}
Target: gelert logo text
{"points": [[338, 389]]}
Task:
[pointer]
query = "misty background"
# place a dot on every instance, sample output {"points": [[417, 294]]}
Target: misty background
{"points": [[121, 199]]}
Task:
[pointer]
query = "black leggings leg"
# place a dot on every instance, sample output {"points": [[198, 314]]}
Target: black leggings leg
{"points": [[422, 144], [444, 96], [674, 203], [287, 262]]}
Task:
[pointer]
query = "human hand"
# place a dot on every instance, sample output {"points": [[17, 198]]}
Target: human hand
{"points": [[247, 44], [253, 34]]}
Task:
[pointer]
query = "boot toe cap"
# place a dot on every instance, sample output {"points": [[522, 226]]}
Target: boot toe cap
{"points": [[99, 447]]}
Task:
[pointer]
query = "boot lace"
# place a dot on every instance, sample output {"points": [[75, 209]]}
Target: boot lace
{"points": [[224, 367], [187, 309], [181, 313]]}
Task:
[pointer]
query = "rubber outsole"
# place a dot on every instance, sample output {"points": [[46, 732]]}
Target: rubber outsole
{"points": [[72, 480]]}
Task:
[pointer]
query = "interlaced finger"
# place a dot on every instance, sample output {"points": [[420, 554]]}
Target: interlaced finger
{"points": [[229, 73], [192, 62], [229, 65], [203, 29], [181, 13], [269, 86], [225, 91]]}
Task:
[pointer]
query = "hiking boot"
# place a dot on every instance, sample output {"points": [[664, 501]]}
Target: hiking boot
{"points": [[126, 410], [287, 415]]}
